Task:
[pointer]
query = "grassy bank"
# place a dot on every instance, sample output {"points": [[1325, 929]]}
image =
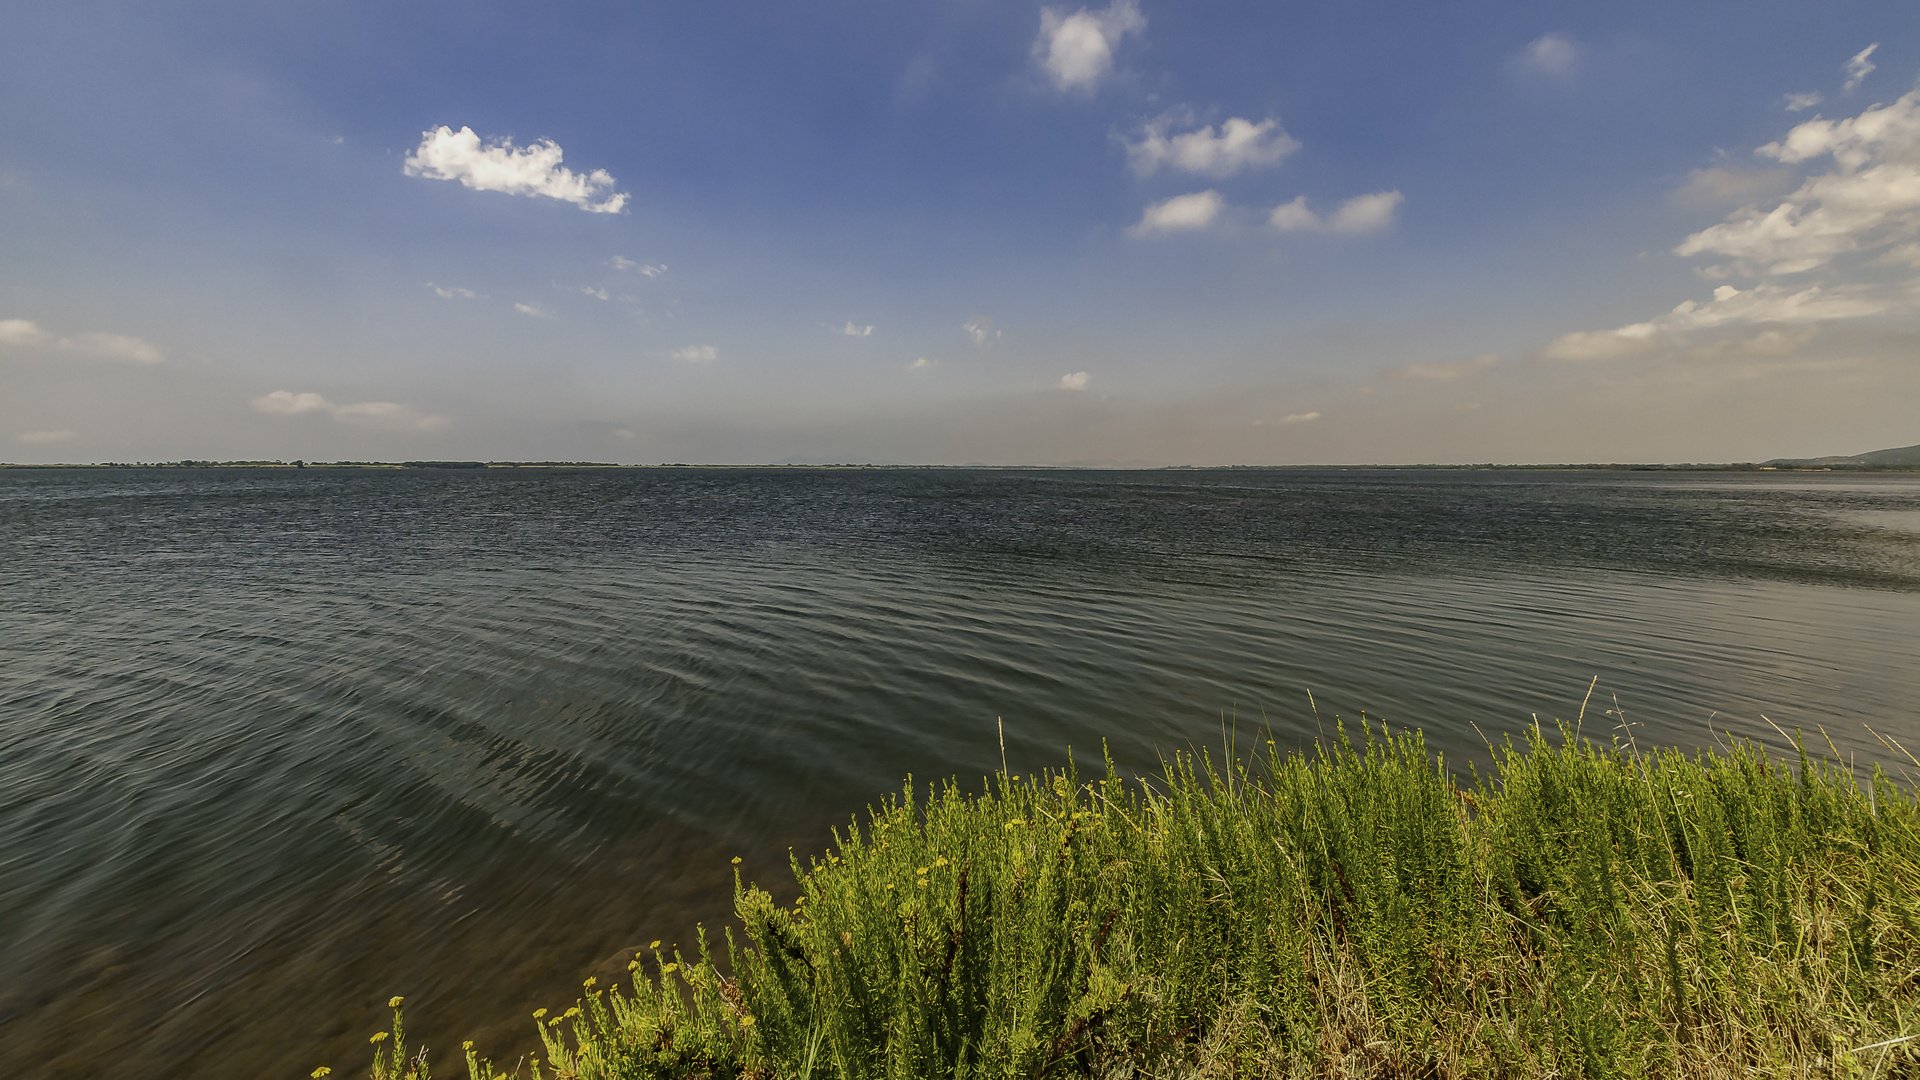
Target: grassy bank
{"points": [[1582, 911]]}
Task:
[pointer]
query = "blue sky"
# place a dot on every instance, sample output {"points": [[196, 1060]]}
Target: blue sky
{"points": [[956, 232]]}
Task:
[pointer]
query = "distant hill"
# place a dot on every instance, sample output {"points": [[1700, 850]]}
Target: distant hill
{"points": [[1898, 456]]}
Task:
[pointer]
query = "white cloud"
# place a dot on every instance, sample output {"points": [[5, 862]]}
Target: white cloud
{"points": [[22, 332], [652, 270], [1077, 49], [1300, 418], [1550, 54], [856, 331], [450, 292], [1360, 214], [1076, 381], [1803, 102], [535, 311], [40, 437], [1181, 213], [445, 154], [288, 403], [1760, 304], [1859, 68], [383, 414], [1869, 200], [114, 347], [697, 354], [1239, 144], [1458, 369], [980, 329], [597, 294], [923, 364]]}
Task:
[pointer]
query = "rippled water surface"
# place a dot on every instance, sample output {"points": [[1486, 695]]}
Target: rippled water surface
{"points": [[279, 744]]}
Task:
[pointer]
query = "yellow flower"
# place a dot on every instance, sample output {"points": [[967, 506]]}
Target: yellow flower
{"points": [[736, 860], [394, 1001], [538, 1013], [589, 983], [655, 945], [319, 1072], [747, 1020], [665, 968], [468, 1045], [377, 1036]]}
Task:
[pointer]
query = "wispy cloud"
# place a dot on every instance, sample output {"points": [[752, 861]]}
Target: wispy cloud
{"points": [[27, 333], [497, 165], [652, 270], [923, 364], [1859, 68], [1077, 49], [1239, 144], [1300, 418], [450, 292], [1076, 381], [697, 354], [1550, 54], [597, 294], [1182, 213], [1761, 304], [980, 329], [36, 438], [534, 310], [382, 414], [1803, 102], [1360, 214], [852, 330]]}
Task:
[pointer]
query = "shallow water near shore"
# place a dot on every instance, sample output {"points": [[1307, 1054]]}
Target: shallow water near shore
{"points": [[280, 744]]}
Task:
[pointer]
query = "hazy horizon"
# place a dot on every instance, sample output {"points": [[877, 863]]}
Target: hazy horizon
{"points": [[964, 232]]}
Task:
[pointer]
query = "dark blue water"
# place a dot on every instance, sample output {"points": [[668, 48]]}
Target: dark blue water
{"points": [[278, 744]]}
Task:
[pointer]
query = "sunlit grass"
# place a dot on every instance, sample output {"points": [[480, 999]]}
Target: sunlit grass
{"points": [[1354, 912]]}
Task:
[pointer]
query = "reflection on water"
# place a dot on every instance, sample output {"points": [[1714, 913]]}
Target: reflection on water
{"points": [[281, 744]]}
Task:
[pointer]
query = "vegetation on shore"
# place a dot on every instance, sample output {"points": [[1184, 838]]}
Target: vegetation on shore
{"points": [[1583, 911]]}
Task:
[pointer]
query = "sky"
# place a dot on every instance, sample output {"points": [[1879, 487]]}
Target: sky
{"points": [[959, 231]]}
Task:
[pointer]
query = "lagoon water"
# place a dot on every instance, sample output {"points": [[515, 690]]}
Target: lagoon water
{"points": [[278, 744]]}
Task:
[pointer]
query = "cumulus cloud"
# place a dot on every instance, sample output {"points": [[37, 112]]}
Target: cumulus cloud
{"points": [[497, 165], [1859, 68], [1077, 49], [1300, 418], [856, 331], [1076, 381], [42, 437], [1181, 213], [1239, 144], [1803, 102], [923, 364], [1869, 199], [1360, 214], [1760, 304], [980, 329], [1550, 54], [1458, 369], [22, 332], [697, 354], [383, 414], [450, 292]]}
